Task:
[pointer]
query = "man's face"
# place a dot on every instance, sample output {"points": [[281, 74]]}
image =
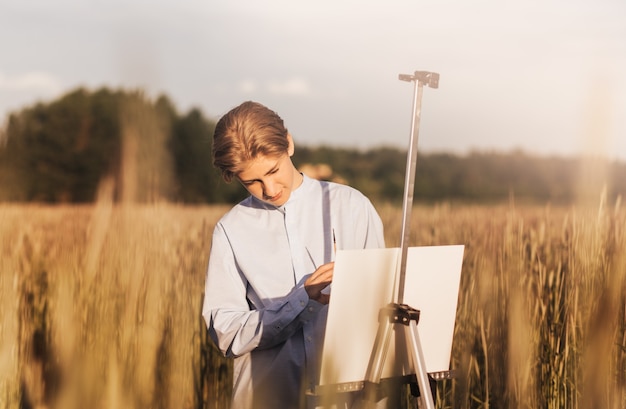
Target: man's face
{"points": [[271, 178]]}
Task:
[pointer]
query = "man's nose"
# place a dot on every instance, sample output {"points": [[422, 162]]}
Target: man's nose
{"points": [[271, 188]]}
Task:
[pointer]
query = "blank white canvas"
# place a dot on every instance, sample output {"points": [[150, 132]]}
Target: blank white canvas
{"points": [[363, 283]]}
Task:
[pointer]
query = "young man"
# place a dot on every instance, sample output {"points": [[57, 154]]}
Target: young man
{"points": [[272, 258]]}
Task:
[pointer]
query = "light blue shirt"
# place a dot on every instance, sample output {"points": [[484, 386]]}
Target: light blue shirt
{"points": [[255, 305]]}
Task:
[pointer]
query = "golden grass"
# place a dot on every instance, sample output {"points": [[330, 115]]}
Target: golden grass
{"points": [[100, 305]]}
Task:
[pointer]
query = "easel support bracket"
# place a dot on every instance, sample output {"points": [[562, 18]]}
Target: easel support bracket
{"points": [[407, 316]]}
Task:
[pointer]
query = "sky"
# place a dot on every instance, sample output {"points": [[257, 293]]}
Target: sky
{"points": [[545, 77]]}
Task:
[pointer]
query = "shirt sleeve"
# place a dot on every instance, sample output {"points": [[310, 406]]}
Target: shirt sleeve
{"points": [[234, 326]]}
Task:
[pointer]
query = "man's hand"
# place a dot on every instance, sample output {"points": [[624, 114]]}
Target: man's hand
{"points": [[320, 279]]}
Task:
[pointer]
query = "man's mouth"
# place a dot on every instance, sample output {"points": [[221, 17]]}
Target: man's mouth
{"points": [[274, 198]]}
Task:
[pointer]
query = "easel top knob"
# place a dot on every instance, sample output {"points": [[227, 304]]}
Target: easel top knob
{"points": [[430, 79]]}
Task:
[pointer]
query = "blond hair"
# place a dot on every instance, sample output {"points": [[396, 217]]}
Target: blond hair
{"points": [[244, 133]]}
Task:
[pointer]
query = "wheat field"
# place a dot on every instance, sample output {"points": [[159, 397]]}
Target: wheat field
{"points": [[100, 305]]}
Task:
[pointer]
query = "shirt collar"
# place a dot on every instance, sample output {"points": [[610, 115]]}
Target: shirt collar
{"points": [[301, 190], [298, 193]]}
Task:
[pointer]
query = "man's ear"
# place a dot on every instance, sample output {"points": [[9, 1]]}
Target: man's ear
{"points": [[291, 148]]}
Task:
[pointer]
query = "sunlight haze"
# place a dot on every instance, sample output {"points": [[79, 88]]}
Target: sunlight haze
{"points": [[545, 77]]}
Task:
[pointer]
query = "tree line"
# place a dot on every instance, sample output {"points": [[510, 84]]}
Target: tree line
{"points": [[61, 152]]}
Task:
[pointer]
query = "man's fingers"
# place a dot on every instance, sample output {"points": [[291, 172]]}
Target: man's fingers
{"points": [[323, 273], [320, 279]]}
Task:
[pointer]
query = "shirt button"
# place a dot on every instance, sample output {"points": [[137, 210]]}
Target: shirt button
{"points": [[310, 309], [302, 303], [308, 339]]}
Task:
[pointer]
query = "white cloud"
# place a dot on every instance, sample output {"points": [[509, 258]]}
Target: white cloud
{"points": [[31, 81], [292, 86], [247, 86]]}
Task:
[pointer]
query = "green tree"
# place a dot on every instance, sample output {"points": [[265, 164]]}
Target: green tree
{"points": [[191, 148], [61, 151], [58, 152]]}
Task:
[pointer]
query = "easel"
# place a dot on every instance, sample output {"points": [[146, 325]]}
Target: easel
{"points": [[397, 312]]}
